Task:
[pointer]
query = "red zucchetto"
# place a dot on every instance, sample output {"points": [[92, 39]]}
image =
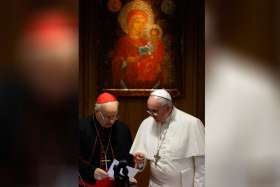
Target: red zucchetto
{"points": [[105, 98]]}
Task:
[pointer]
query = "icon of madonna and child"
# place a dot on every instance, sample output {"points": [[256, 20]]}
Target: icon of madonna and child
{"points": [[138, 54]]}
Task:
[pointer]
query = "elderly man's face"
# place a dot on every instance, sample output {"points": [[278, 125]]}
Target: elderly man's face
{"points": [[158, 111], [108, 114]]}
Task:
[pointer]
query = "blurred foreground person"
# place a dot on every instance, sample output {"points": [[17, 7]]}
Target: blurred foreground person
{"points": [[242, 116], [39, 104]]}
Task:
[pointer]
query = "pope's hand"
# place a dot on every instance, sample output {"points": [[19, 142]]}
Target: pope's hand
{"points": [[139, 159], [133, 180], [100, 174]]}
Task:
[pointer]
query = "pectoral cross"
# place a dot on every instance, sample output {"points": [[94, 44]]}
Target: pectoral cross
{"points": [[157, 157], [106, 161]]}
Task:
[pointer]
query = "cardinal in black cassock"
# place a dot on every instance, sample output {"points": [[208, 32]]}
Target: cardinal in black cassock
{"points": [[102, 139]]}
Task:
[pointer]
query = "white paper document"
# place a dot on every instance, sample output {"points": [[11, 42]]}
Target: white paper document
{"points": [[131, 171]]}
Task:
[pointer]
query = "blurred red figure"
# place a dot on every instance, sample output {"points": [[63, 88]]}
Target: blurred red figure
{"points": [[44, 105], [49, 51]]}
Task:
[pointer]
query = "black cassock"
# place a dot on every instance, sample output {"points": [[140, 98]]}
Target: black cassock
{"points": [[91, 151]]}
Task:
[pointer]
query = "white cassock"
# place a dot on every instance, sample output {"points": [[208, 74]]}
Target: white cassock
{"points": [[180, 141]]}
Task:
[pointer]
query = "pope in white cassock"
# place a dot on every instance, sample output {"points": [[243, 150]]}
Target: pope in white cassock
{"points": [[173, 142]]}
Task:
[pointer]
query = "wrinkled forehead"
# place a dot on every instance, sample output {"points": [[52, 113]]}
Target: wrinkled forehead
{"points": [[110, 107], [153, 102]]}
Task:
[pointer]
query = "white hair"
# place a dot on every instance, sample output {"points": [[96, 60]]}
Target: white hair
{"points": [[98, 106]]}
